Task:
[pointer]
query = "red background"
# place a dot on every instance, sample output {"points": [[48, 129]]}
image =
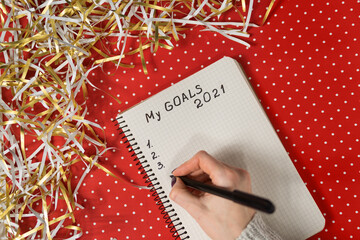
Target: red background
{"points": [[304, 66]]}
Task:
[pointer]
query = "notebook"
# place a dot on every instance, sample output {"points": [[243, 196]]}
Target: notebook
{"points": [[216, 110]]}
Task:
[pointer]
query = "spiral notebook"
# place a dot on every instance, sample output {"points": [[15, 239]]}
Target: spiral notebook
{"points": [[216, 110]]}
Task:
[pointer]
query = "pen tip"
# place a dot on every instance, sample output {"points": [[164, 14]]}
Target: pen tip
{"points": [[173, 180]]}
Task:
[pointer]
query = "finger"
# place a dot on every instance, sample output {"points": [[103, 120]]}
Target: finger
{"points": [[182, 196], [199, 175], [201, 161], [203, 177], [196, 173]]}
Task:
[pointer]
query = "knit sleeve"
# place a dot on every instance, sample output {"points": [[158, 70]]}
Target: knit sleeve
{"points": [[258, 230]]}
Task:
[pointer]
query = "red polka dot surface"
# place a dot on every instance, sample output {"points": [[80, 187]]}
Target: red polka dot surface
{"points": [[304, 67]]}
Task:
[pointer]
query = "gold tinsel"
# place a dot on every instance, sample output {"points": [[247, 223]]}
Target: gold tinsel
{"points": [[45, 52]]}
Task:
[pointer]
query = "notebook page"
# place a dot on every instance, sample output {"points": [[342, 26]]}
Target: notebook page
{"points": [[227, 121]]}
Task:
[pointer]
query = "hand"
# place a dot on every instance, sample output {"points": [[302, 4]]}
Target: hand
{"points": [[221, 219]]}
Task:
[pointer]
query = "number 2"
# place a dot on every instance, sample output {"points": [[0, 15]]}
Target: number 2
{"points": [[198, 102]]}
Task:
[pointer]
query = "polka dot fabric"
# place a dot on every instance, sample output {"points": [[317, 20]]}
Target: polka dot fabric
{"points": [[304, 67]]}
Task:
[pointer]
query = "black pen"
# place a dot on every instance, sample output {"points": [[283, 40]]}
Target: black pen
{"points": [[237, 196]]}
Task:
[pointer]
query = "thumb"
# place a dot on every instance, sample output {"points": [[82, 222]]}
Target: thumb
{"points": [[181, 195]]}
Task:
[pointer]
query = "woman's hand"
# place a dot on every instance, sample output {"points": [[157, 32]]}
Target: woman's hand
{"points": [[221, 219]]}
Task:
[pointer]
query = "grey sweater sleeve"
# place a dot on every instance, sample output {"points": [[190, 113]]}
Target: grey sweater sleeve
{"points": [[258, 230]]}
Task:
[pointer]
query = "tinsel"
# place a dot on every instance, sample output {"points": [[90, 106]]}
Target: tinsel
{"points": [[46, 52]]}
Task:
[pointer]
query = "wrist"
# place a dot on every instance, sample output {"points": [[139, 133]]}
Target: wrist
{"points": [[238, 227]]}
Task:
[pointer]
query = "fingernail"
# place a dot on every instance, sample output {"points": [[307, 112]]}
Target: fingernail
{"points": [[173, 180], [173, 170]]}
